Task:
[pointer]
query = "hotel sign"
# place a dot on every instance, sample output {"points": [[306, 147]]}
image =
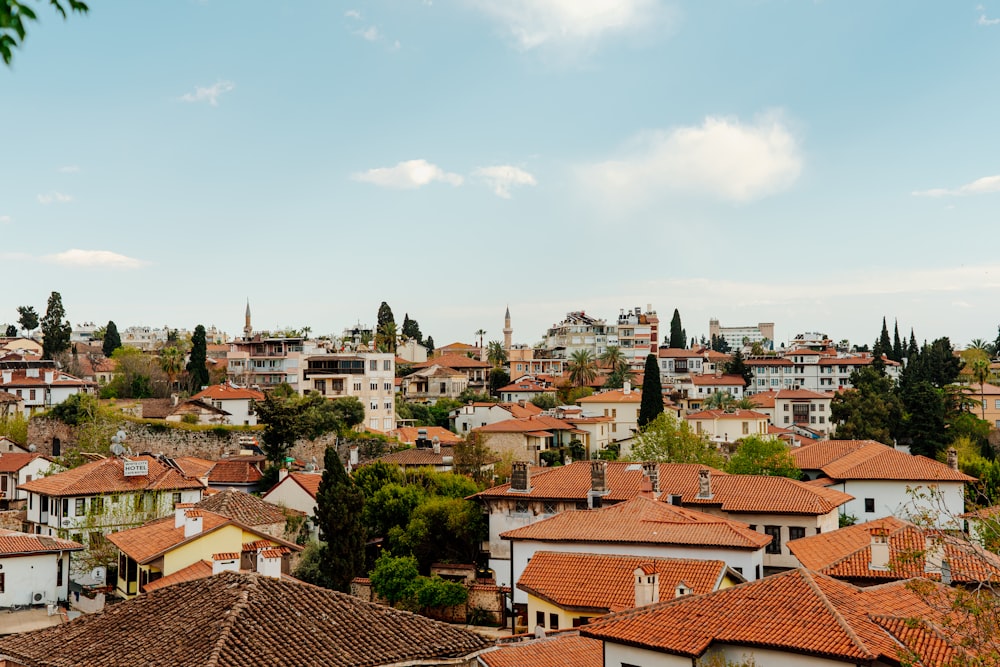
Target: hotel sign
{"points": [[135, 468]]}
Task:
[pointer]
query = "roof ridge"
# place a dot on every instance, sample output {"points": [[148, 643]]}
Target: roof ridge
{"points": [[841, 621], [242, 602]]}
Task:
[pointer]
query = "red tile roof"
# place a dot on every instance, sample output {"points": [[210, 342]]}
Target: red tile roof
{"points": [[613, 396], [764, 494], [309, 481], [867, 459], [456, 361], [14, 461], [227, 392], [600, 583], [419, 457], [234, 472], [19, 378], [796, 611], [718, 380], [198, 570], [794, 394], [106, 476], [246, 508], [527, 425], [726, 414], [846, 554], [408, 434], [642, 520], [557, 651], [14, 543]]}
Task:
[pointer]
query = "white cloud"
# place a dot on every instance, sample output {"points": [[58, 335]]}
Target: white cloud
{"points": [[408, 175], [5, 219], [69, 169], [370, 33], [533, 23], [503, 177], [721, 157], [94, 259], [980, 186], [210, 94], [54, 198], [985, 21], [353, 14]]}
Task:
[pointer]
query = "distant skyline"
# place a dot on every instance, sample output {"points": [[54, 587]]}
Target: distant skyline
{"points": [[818, 164]]}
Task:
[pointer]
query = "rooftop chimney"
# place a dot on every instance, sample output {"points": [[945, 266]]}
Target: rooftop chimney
{"points": [[933, 553], [879, 548], [953, 458], [225, 562], [647, 585], [173, 399], [353, 456], [269, 563], [520, 477], [192, 523], [179, 510], [652, 471], [626, 387], [436, 444], [599, 476], [282, 473], [704, 484]]}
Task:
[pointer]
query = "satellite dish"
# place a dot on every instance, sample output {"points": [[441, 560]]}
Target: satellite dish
{"points": [[32, 448], [310, 467], [117, 449], [121, 435]]}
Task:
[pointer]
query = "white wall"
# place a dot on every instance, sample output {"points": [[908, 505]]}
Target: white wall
{"points": [[290, 493], [893, 499], [617, 654], [25, 575], [743, 561]]}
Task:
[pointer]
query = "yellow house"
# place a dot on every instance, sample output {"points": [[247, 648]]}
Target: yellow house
{"points": [[165, 546], [567, 589]]}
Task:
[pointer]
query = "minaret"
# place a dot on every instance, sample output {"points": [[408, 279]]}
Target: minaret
{"points": [[507, 331], [247, 329]]}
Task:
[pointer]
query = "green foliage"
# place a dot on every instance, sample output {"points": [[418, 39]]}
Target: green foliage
{"points": [[610, 453], [411, 329], [668, 440], [197, 360], [551, 457], [134, 374], [440, 410], [436, 593], [55, 328], [568, 395], [719, 344], [27, 317], [473, 458], [15, 427], [577, 450], [385, 330], [651, 405], [310, 567], [418, 412], [737, 366], [76, 409], [499, 378], [446, 530], [287, 419], [496, 354], [391, 507], [11, 331], [871, 410], [614, 359], [545, 401], [757, 456], [394, 576], [339, 506], [582, 368], [845, 520], [678, 337], [14, 17], [112, 340], [372, 477], [429, 343], [923, 425]]}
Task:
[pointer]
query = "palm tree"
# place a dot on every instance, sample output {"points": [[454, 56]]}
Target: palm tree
{"points": [[582, 368], [720, 400], [613, 357], [495, 353], [480, 333], [981, 371], [172, 363], [385, 337]]}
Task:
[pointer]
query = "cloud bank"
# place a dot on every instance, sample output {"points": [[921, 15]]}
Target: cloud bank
{"points": [[408, 175], [980, 186]]}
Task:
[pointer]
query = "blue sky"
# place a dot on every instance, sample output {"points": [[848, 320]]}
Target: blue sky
{"points": [[814, 164]]}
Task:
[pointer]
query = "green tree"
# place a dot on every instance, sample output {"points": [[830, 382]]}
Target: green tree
{"points": [[112, 341], [924, 418], [372, 477], [473, 458], [136, 375], [172, 363], [394, 577], [737, 366], [980, 372], [870, 410], [897, 345], [720, 400], [447, 530], [310, 567], [384, 316], [14, 17], [758, 456], [339, 506], [667, 440], [197, 366], [429, 344], [678, 337], [288, 418], [499, 378], [546, 401], [391, 506], [884, 343], [582, 368], [386, 337], [55, 328], [614, 359], [495, 354], [651, 403], [11, 331], [27, 318], [719, 344], [411, 329]]}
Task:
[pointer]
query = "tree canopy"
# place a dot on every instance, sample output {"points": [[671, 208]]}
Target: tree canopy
{"points": [[197, 366], [14, 18], [582, 367], [288, 418], [668, 440], [27, 317], [758, 456], [55, 328], [339, 505], [678, 337], [112, 340], [737, 366], [651, 403]]}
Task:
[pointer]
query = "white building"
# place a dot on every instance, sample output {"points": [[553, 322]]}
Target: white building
{"points": [[367, 376], [579, 331], [41, 387], [34, 570], [17, 468], [237, 401], [476, 415], [814, 370], [638, 334], [737, 337]]}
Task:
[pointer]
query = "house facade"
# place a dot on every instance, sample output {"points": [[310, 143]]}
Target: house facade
{"points": [[367, 376], [18, 468], [34, 570], [237, 401]]}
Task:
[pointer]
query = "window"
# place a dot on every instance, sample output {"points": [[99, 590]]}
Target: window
{"points": [[357, 386], [31, 394], [822, 408], [59, 572], [553, 621], [775, 534], [996, 404], [387, 364], [387, 386], [3, 588], [540, 618], [97, 505], [746, 428], [581, 504], [796, 532], [81, 506], [373, 386], [373, 364], [549, 508], [869, 504], [521, 506], [175, 498], [786, 408]]}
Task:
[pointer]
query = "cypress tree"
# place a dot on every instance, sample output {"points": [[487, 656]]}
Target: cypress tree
{"points": [[677, 337], [897, 345], [738, 367], [197, 362], [55, 330], [651, 405], [384, 316], [912, 350], [338, 512], [112, 340], [884, 341]]}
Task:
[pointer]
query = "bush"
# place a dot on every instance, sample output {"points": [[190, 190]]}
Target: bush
{"points": [[394, 577], [435, 592], [189, 419]]}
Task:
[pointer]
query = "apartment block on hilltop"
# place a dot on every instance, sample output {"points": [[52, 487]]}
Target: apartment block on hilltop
{"points": [[367, 376], [737, 337], [579, 331]]}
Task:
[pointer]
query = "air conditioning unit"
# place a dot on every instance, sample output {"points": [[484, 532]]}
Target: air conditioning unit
{"points": [[37, 598]]}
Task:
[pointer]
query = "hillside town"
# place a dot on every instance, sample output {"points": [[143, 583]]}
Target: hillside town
{"points": [[610, 492]]}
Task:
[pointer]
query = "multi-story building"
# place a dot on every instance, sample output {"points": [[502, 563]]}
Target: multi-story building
{"points": [[265, 361], [367, 376], [816, 370], [523, 360], [39, 386], [737, 337], [638, 334], [579, 331]]}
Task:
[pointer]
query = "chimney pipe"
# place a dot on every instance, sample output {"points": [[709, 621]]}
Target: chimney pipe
{"points": [[269, 563], [179, 510], [282, 474], [353, 456], [704, 484], [647, 585], [599, 476], [953, 458], [652, 471], [50, 377], [879, 548], [520, 476], [225, 562], [626, 387], [933, 553], [192, 523]]}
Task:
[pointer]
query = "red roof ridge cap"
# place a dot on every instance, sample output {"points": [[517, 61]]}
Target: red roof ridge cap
{"points": [[841, 621]]}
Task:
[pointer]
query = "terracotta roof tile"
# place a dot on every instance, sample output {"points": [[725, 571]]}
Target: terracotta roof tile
{"points": [[867, 459], [243, 620], [419, 457], [14, 461], [227, 392], [198, 570], [613, 396], [146, 542], [309, 481], [726, 414], [766, 494], [228, 471], [246, 509], [527, 425], [642, 521], [106, 476], [559, 651], [14, 543], [601, 583], [409, 434]]}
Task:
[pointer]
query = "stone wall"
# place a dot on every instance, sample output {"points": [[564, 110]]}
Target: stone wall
{"points": [[12, 519], [488, 600]]}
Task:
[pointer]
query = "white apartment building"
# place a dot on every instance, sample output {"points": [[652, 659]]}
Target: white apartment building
{"points": [[579, 331], [737, 337], [265, 361], [638, 334], [367, 376], [814, 370]]}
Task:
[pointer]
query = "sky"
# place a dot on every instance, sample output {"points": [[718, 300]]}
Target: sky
{"points": [[820, 165]]}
